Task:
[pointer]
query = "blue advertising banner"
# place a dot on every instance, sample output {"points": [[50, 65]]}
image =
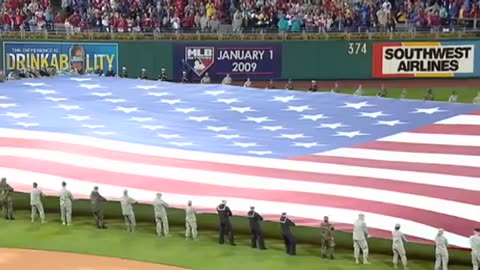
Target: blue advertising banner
{"points": [[84, 57], [259, 61]]}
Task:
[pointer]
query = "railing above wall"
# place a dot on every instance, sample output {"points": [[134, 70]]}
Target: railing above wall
{"points": [[403, 33]]}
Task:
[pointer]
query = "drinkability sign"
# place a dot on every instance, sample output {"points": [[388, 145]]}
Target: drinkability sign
{"points": [[84, 57]]}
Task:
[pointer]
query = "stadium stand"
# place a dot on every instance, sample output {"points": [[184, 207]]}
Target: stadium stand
{"points": [[240, 16]]}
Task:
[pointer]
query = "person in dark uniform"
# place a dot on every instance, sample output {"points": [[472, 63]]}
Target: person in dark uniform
{"points": [[288, 238], [98, 72], [313, 87], [144, 74], [224, 215], [254, 219], [289, 85], [110, 72], [123, 73], [97, 203], [163, 75], [184, 77]]}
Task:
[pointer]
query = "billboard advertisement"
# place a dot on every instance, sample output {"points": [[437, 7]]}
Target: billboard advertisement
{"points": [[84, 57], [425, 59], [255, 61]]}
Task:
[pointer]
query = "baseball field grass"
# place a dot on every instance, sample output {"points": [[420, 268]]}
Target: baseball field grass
{"points": [[203, 254]]}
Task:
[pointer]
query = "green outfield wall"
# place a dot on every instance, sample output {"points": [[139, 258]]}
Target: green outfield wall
{"points": [[258, 60]]}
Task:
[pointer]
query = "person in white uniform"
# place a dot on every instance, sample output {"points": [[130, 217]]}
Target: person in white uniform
{"points": [[441, 251], [127, 211], [360, 235], [161, 218], [190, 222], [66, 199], [398, 247], [36, 203], [475, 246]]}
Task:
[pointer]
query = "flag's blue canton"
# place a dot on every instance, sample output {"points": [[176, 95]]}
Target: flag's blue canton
{"points": [[211, 118]]}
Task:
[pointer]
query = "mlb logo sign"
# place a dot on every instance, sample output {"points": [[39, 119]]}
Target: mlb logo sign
{"points": [[200, 59]]}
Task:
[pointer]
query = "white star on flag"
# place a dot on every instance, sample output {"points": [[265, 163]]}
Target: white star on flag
{"points": [[169, 136], [245, 145], [298, 108], [126, 109], [17, 115], [285, 99], [215, 93], [153, 127], [157, 94], [171, 101], [68, 107], [389, 123], [227, 101], [80, 79], [90, 86], [372, 114], [104, 133], [313, 117], [34, 84], [181, 144], [186, 110], [260, 153], [147, 87], [293, 136], [101, 94], [217, 129], [257, 120], [350, 134], [200, 119], [27, 125], [141, 119], [357, 106], [242, 109], [44, 91], [93, 126], [78, 117], [7, 105], [332, 126], [229, 136], [428, 110], [307, 145], [4, 97], [56, 99], [272, 128], [115, 100]]}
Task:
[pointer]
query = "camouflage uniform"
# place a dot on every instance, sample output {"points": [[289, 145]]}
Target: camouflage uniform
{"points": [[6, 199], [327, 240]]}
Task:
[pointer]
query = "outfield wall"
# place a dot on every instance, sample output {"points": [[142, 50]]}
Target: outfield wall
{"points": [[297, 60]]}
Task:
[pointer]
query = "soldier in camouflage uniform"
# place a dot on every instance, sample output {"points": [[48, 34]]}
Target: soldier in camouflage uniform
{"points": [[6, 199], [327, 238]]}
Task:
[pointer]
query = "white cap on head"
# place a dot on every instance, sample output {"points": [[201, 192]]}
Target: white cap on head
{"points": [[224, 201]]}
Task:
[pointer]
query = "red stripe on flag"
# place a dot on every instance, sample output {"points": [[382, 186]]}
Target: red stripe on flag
{"points": [[475, 113], [452, 194], [396, 165], [421, 148], [449, 129], [450, 223]]}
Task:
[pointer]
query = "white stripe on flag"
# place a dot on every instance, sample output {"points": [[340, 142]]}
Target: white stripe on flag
{"points": [[459, 160], [463, 119], [442, 139]]}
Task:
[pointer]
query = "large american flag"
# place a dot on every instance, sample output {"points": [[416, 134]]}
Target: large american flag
{"points": [[308, 154]]}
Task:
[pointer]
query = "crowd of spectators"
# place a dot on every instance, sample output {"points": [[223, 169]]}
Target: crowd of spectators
{"points": [[29, 15], [243, 15]]}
